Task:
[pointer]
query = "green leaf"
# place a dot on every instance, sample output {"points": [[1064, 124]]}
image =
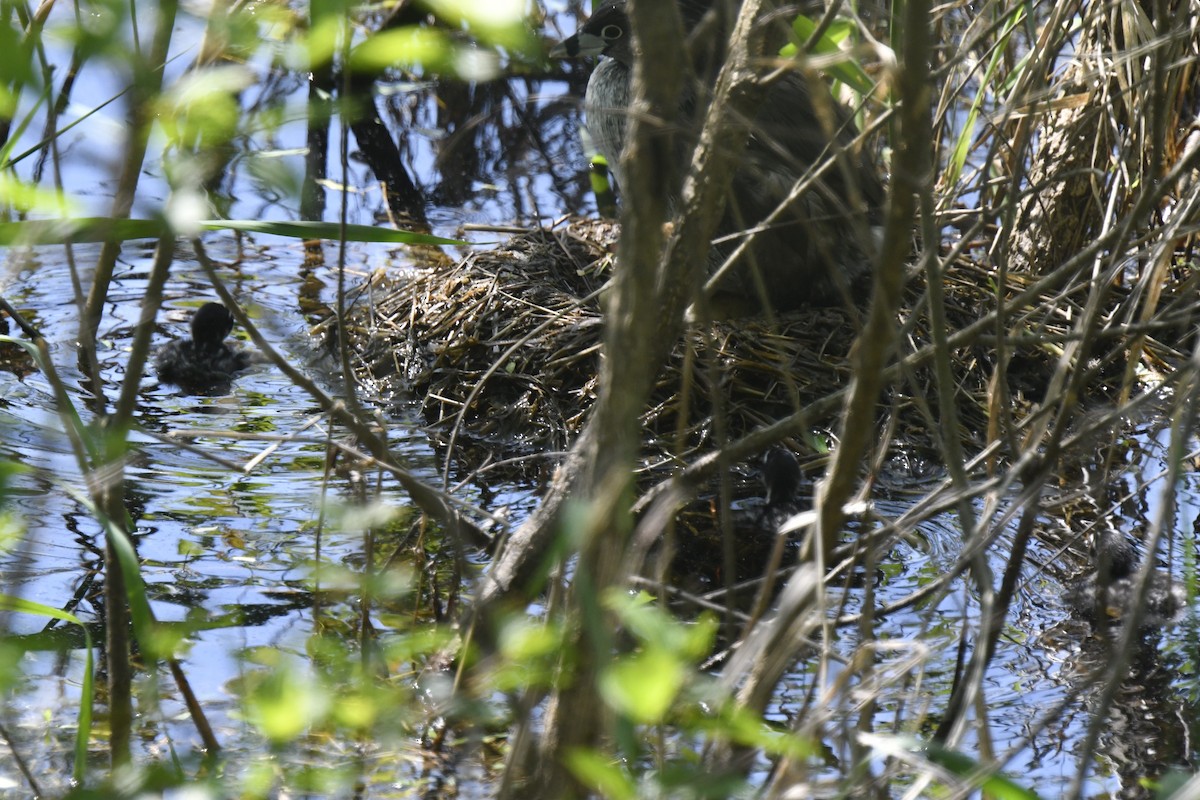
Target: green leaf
{"points": [[10, 603], [848, 71], [304, 229], [285, 704], [497, 22], [411, 46], [602, 774], [78, 229], [652, 625], [644, 685], [993, 784]]}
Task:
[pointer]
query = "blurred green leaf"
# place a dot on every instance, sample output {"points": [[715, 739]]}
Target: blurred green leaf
{"points": [[411, 46], [274, 174], [16, 70], [102, 31], [497, 22], [358, 711], [203, 106], [8, 471], [12, 531], [643, 686], [527, 638], [990, 781], [602, 774], [283, 704], [532, 653], [653, 625], [17, 194]]}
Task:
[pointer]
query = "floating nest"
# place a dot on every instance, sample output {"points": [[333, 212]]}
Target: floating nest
{"points": [[500, 352]]}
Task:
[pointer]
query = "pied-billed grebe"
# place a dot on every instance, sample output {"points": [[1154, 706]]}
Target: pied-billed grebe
{"points": [[204, 362], [1107, 595], [818, 247]]}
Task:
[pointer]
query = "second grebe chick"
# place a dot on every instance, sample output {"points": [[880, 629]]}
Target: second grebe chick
{"points": [[204, 362]]}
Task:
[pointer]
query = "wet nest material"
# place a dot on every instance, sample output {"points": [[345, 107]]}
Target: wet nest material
{"points": [[501, 350]]}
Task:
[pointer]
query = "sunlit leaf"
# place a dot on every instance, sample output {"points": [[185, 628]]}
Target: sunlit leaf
{"points": [[602, 774], [203, 106], [357, 711], [653, 625], [642, 686], [525, 638], [285, 704], [317, 48], [29, 197], [744, 727], [12, 531], [361, 516], [412, 46], [847, 71], [12, 603], [497, 22], [8, 471]]}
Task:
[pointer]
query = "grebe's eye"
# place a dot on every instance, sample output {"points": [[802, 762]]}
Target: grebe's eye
{"points": [[610, 33]]}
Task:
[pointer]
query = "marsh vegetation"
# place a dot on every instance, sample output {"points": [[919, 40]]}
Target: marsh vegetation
{"points": [[488, 517]]}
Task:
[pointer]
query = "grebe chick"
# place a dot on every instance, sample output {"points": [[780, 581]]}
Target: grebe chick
{"points": [[204, 362], [780, 472], [1107, 594], [781, 476]]}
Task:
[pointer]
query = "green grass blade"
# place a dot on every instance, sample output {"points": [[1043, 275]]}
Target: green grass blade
{"points": [[962, 146], [103, 229], [15, 135], [304, 229]]}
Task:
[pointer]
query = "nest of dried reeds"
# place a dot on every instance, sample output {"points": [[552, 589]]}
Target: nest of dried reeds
{"points": [[502, 345], [502, 348]]}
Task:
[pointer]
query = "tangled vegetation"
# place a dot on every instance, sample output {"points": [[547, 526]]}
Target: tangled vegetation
{"points": [[1035, 297]]}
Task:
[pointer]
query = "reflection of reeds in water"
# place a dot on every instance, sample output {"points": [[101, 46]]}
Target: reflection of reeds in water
{"points": [[1139, 712]]}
